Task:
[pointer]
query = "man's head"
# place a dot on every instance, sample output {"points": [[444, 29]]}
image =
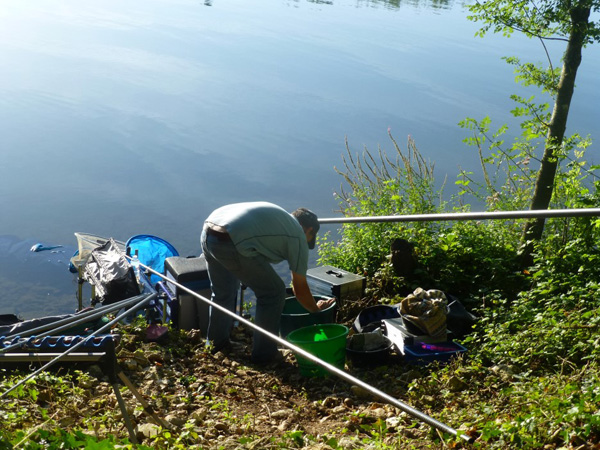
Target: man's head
{"points": [[310, 225]]}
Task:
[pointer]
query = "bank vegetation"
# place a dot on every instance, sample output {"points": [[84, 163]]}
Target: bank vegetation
{"points": [[529, 380]]}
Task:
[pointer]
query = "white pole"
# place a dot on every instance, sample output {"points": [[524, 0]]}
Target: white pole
{"points": [[487, 215]]}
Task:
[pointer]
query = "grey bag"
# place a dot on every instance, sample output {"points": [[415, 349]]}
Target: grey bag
{"points": [[110, 273]]}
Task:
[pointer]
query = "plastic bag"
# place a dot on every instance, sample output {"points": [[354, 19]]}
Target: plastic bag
{"points": [[110, 273]]}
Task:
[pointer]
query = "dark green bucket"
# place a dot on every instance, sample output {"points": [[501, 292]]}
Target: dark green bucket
{"points": [[294, 315], [325, 341]]}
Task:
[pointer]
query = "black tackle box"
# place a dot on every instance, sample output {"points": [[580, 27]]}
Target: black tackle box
{"points": [[331, 281]]}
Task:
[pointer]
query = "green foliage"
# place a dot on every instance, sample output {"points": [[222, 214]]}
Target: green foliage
{"points": [[547, 339], [61, 439], [531, 380], [465, 258], [547, 319], [474, 258], [292, 439], [377, 432], [460, 257], [380, 187], [543, 19], [509, 174], [181, 439]]}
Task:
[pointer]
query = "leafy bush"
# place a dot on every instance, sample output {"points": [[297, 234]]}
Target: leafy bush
{"points": [[533, 369], [458, 257], [379, 188], [554, 325]]}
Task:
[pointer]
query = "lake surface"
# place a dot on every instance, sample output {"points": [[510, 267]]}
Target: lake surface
{"points": [[140, 117]]}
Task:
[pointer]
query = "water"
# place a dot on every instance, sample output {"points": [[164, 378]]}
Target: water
{"points": [[127, 117]]}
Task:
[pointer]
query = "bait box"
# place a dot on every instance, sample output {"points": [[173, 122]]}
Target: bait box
{"points": [[416, 355], [333, 282], [192, 313]]}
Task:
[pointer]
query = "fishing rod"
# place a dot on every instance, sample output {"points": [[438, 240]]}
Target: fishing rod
{"points": [[69, 322], [134, 308], [487, 215], [340, 373]]}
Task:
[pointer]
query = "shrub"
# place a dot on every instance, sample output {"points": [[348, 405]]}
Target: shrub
{"points": [[458, 257]]}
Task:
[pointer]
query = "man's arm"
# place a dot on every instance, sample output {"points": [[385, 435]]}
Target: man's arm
{"points": [[305, 297]]}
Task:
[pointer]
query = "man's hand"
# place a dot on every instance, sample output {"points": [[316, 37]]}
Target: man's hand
{"points": [[305, 297], [324, 304]]}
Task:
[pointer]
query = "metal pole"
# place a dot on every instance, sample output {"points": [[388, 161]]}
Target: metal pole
{"points": [[340, 373], [487, 215], [124, 413], [80, 343]]}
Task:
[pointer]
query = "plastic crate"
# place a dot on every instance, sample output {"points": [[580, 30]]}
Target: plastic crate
{"points": [[189, 312]]}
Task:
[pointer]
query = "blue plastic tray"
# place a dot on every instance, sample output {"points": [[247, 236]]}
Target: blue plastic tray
{"points": [[421, 354]]}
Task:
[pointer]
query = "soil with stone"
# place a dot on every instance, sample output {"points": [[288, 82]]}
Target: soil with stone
{"points": [[223, 401]]}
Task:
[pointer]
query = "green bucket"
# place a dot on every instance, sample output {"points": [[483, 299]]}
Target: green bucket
{"points": [[294, 315], [325, 341]]}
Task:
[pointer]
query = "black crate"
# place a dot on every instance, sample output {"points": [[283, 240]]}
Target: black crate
{"points": [[331, 281]]}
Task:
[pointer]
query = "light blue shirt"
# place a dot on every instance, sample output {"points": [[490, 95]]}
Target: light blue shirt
{"points": [[265, 229]]}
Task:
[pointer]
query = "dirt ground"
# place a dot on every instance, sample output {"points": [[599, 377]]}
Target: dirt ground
{"points": [[224, 401]]}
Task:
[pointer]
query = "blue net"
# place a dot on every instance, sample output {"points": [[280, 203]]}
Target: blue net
{"points": [[152, 252]]}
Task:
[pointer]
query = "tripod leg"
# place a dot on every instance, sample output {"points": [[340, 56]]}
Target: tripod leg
{"points": [[125, 414], [147, 407]]}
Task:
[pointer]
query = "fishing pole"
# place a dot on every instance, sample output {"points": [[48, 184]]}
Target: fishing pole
{"points": [[69, 322], [487, 215], [82, 342], [340, 373]]}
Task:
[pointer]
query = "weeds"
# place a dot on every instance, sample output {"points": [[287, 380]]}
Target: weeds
{"points": [[530, 380]]}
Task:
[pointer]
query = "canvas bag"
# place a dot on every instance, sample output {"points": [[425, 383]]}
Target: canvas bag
{"points": [[427, 310]]}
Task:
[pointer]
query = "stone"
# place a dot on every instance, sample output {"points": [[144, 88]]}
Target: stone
{"points": [[147, 430], [282, 414]]}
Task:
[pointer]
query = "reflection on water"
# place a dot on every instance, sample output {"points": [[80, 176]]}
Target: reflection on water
{"points": [[418, 4], [391, 4]]}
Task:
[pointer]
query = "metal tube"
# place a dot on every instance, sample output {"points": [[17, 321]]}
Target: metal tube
{"points": [[125, 414], [487, 215], [80, 343], [340, 373]]}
